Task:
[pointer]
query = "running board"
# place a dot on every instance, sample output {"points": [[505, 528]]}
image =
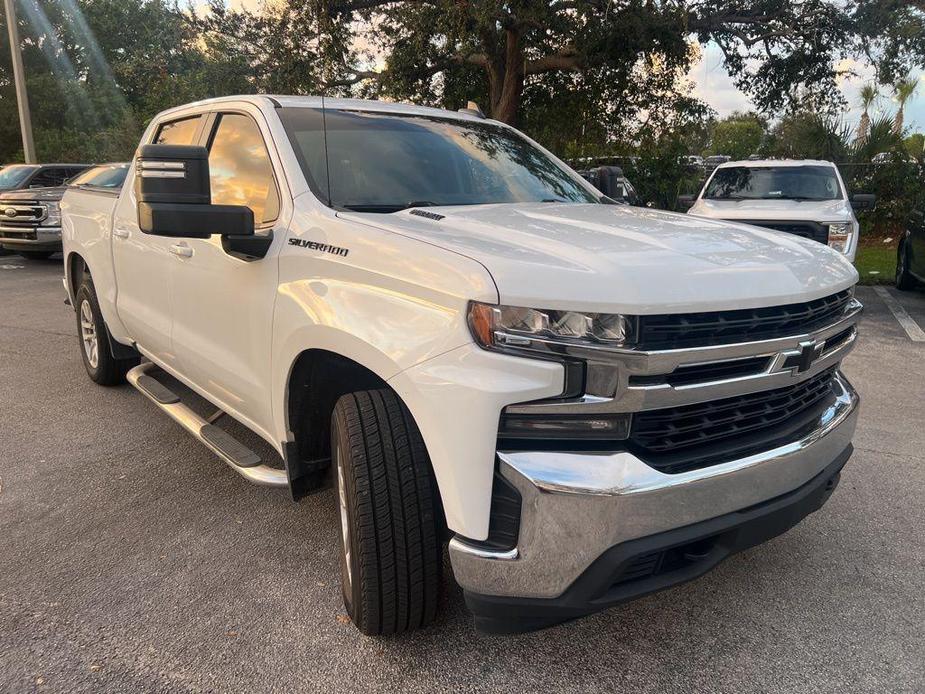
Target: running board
{"points": [[241, 459]]}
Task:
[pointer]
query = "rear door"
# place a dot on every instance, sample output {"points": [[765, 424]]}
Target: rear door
{"points": [[145, 264], [223, 314]]}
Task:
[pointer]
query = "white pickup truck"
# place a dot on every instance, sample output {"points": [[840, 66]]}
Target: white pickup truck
{"points": [[803, 197], [588, 401]]}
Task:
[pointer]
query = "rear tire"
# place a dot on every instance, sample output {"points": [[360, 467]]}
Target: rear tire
{"points": [[391, 520], [101, 366], [904, 280], [35, 255]]}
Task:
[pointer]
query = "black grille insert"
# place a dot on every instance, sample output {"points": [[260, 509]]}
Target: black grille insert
{"points": [[681, 330], [685, 438], [808, 230], [705, 373]]}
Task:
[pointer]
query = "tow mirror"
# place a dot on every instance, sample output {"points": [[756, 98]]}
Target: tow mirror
{"points": [[863, 201], [685, 202], [174, 198]]}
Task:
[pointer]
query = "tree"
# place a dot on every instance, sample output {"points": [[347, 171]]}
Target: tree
{"points": [[807, 134], [869, 94], [903, 91], [739, 135], [915, 145], [502, 49], [97, 70]]}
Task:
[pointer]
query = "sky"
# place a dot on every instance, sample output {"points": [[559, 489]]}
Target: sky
{"points": [[713, 85]]}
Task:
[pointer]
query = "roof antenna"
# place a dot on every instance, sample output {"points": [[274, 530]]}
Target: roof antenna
{"points": [[472, 109]]}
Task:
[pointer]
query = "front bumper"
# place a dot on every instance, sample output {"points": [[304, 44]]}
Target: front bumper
{"points": [[580, 508], [31, 238]]}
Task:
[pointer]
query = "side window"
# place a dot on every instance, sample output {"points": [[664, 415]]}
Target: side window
{"points": [[177, 132], [240, 169]]}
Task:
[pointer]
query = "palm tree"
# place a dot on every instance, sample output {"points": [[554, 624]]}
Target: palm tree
{"points": [[869, 95], [903, 91]]}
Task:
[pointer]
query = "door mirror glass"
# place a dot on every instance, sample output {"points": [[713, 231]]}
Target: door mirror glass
{"points": [[174, 198], [685, 202], [863, 201]]}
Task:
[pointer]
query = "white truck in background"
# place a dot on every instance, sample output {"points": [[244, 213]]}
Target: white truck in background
{"points": [[588, 401], [802, 197]]}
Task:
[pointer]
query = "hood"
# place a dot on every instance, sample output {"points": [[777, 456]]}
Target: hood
{"points": [[616, 258], [768, 210], [41, 194]]}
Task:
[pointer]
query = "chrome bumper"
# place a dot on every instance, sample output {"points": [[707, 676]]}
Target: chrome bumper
{"points": [[575, 506], [47, 237]]}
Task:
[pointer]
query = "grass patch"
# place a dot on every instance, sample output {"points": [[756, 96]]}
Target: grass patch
{"points": [[876, 265]]}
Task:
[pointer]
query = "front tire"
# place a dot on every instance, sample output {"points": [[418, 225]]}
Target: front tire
{"points": [[391, 539], [101, 366], [904, 279]]}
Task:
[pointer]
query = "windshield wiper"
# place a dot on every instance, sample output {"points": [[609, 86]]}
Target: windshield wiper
{"points": [[385, 207]]}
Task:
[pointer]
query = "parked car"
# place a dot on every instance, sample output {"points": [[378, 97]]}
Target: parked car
{"points": [[30, 220], [692, 160], [715, 160], [612, 183], [20, 176], [801, 197], [589, 401], [910, 256]]}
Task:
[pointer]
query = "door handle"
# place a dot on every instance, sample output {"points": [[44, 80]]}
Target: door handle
{"points": [[182, 250], [121, 233]]}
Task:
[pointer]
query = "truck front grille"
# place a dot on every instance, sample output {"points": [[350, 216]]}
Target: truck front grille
{"points": [[682, 330], [22, 213], [808, 230], [685, 438]]}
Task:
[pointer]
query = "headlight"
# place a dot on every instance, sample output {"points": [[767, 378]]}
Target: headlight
{"points": [[53, 215], [840, 236], [514, 327]]}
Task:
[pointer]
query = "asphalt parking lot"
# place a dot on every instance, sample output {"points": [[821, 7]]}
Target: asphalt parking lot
{"points": [[132, 560]]}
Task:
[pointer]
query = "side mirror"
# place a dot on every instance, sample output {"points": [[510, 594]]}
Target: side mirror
{"points": [[863, 201], [685, 202], [174, 198]]}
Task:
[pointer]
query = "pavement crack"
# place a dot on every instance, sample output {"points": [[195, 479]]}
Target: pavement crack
{"points": [[36, 330], [888, 453]]}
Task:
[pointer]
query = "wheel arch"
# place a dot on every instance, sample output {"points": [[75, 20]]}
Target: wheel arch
{"points": [[317, 378], [74, 268]]}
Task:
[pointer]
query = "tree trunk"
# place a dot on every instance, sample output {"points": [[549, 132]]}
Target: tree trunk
{"points": [[506, 80], [863, 128], [898, 121]]}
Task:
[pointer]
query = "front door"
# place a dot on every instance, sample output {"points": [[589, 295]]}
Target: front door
{"points": [[144, 263], [223, 311]]}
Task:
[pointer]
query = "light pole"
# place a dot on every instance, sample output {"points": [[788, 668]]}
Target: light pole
{"points": [[22, 99]]}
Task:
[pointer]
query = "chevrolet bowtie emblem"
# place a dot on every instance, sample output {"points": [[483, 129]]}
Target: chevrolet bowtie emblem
{"points": [[800, 360]]}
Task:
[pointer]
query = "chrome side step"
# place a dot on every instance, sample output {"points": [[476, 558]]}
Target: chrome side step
{"points": [[243, 460]]}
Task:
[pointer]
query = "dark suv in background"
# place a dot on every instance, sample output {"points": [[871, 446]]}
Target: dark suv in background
{"points": [[910, 257], [20, 176], [30, 219]]}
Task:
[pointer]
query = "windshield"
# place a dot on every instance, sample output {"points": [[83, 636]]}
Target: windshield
{"points": [[108, 176], [385, 162], [774, 183], [13, 176]]}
